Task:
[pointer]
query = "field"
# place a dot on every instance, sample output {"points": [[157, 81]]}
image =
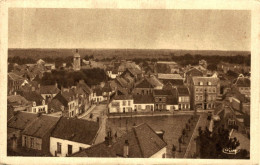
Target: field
{"points": [[172, 125], [119, 53]]}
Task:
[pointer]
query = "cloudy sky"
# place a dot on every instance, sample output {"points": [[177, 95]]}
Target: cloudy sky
{"points": [[128, 28]]}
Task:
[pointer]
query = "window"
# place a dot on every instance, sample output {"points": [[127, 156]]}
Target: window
{"points": [[25, 141], [214, 90], [34, 110], [69, 149], [80, 148], [197, 89], [129, 103], [200, 97], [32, 143], [197, 98], [164, 99], [200, 89], [209, 89], [156, 99], [124, 103], [58, 148], [34, 103], [160, 99], [72, 113]]}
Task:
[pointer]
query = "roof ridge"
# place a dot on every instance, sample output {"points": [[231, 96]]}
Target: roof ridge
{"points": [[138, 142]]}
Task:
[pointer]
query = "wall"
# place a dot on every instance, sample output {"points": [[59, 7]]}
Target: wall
{"points": [[159, 154], [171, 107], [64, 146], [36, 109], [142, 107], [37, 142]]}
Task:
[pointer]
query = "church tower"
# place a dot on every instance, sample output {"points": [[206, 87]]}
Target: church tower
{"points": [[76, 61]]}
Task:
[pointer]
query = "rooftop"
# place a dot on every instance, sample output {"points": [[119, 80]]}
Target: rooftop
{"points": [[143, 99], [40, 126], [169, 76], [183, 91], [205, 81], [49, 89], [77, 130], [21, 120], [142, 139]]}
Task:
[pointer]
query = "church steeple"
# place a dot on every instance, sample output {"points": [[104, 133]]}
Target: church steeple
{"points": [[76, 61]]}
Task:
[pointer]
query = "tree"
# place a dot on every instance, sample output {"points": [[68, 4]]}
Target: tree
{"points": [[183, 134]]}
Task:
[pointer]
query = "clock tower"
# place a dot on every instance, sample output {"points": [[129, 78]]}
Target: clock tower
{"points": [[76, 61]]}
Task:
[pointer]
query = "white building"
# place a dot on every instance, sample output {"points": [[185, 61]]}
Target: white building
{"points": [[72, 135], [121, 104]]}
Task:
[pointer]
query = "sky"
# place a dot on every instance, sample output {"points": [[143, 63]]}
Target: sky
{"points": [[129, 28]]}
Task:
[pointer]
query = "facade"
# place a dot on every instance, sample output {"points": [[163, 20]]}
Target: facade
{"points": [[160, 99], [121, 104], [204, 91], [76, 61], [143, 103], [183, 98], [48, 92], [72, 135], [15, 82], [143, 88]]}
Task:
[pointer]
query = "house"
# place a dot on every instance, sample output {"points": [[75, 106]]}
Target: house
{"points": [[107, 90], [113, 72], [143, 103], [15, 125], [133, 72], [242, 84], [72, 135], [144, 87], [85, 94], [204, 91], [97, 96], [193, 72], [48, 92], [239, 68], [69, 100], [15, 82], [160, 99], [175, 79], [56, 107], [140, 142], [121, 104], [155, 82], [183, 98], [37, 102], [171, 102], [36, 136]]}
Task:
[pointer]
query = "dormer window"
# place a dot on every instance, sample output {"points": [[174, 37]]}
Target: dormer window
{"points": [[209, 83], [200, 83], [34, 104]]}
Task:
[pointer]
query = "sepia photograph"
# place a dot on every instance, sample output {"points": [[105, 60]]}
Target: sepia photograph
{"points": [[128, 83]]}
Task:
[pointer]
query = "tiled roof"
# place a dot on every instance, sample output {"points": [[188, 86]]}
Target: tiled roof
{"points": [[183, 91], [162, 92], [144, 84], [15, 77], [174, 82], [143, 143], [40, 126], [55, 105], [134, 71], [77, 130], [169, 76], [21, 120], [194, 72], [84, 86], [49, 89], [16, 99], [122, 82], [242, 82], [32, 96], [143, 99], [205, 80], [154, 81], [123, 97]]}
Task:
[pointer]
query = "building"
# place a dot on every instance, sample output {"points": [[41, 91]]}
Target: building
{"points": [[37, 102], [36, 136], [72, 135], [183, 98], [121, 104], [193, 72], [238, 68], [143, 103], [15, 82], [48, 92], [15, 125], [160, 99], [76, 61], [69, 99], [204, 91], [143, 87], [140, 142], [242, 84]]}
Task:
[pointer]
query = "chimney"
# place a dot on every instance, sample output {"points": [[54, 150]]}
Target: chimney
{"points": [[39, 85], [160, 133], [126, 149], [56, 84]]}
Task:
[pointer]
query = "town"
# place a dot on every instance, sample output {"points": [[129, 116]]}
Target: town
{"points": [[128, 108]]}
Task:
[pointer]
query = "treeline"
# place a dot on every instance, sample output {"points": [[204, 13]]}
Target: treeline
{"points": [[66, 79], [58, 60]]}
